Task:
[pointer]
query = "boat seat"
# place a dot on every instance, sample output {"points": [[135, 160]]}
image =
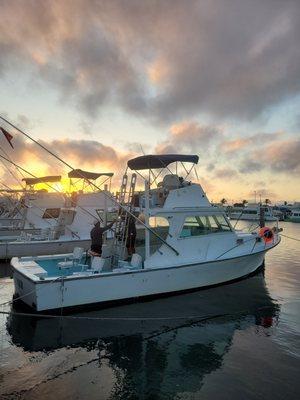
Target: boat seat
{"points": [[74, 260], [136, 261], [66, 264], [171, 182], [97, 264]]}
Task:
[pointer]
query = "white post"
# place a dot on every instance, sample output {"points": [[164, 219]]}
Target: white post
{"points": [[147, 233]]}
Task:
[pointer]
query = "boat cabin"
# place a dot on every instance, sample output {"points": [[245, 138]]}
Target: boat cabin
{"points": [[175, 221]]}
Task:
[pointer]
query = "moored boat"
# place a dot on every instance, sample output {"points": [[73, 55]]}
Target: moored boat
{"points": [[294, 216], [55, 224], [252, 213], [183, 243]]}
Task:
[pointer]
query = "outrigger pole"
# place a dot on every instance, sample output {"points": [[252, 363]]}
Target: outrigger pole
{"points": [[90, 182]]}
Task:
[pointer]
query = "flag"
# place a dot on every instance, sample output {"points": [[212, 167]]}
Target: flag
{"points": [[7, 135]]}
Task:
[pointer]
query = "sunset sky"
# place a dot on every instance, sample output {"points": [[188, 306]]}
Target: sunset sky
{"points": [[101, 81]]}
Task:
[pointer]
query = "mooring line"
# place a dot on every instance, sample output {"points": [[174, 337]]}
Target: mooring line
{"points": [[118, 318], [289, 237]]}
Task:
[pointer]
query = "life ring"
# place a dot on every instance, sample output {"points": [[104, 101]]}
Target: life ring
{"points": [[267, 234]]}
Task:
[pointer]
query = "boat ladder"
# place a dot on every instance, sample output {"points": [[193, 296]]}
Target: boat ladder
{"points": [[121, 230]]}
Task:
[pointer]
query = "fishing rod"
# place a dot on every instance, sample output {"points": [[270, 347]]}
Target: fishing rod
{"points": [[91, 183]]}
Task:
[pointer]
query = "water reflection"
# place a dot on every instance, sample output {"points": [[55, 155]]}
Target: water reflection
{"points": [[160, 357]]}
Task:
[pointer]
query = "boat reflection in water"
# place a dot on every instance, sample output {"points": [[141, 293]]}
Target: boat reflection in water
{"points": [[164, 355]]}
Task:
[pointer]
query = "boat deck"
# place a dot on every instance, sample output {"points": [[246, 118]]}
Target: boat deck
{"points": [[46, 268]]}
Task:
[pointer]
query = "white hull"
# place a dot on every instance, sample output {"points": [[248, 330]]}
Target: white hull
{"points": [[142, 319], [84, 290], [250, 217], [23, 249]]}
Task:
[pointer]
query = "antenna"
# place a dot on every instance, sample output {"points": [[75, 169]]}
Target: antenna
{"points": [[142, 149]]}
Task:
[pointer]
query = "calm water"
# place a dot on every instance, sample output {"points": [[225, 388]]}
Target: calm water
{"points": [[243, 342]]}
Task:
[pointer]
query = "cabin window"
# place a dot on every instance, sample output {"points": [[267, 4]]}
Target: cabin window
{"points": [[203, 225], [159, 225], [100, 213], [110, 215], [222, 222], [67, 216], [51, 213]]}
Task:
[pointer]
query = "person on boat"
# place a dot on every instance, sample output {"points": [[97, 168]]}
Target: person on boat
{"points": [[97, 237], [131, 236]]}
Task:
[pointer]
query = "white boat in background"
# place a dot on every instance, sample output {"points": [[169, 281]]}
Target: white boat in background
{"points": [[30, 211], [294, 216], [252, 213], [55, 224], [183, 243]]}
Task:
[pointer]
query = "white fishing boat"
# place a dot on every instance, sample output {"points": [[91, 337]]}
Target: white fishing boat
{"points": [[183, 243], [147, 318], [29, 213], [55, 224], [252, 213]]}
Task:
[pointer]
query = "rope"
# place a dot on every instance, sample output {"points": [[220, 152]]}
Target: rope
{"points": [[238, 219], [289, 237], [237, 245], [8, 170], [167, 318]]}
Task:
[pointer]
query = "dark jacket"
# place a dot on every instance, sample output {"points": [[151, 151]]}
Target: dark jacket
{"points": [[97, 233]]}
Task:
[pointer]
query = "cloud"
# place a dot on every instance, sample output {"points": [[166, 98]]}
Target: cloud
{"points": [[250, 166], [283, 156], [225, 173], [163, 60], [189, 136], [256, 140], [85, 154], [263, 193]]}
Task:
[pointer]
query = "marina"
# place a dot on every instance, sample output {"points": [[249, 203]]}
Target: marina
{"points": [[149, 200]]}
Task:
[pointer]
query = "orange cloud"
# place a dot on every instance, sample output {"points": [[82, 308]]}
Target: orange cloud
{"points": [[188, 136], [158, 72], [233, 145], [86, 154]]}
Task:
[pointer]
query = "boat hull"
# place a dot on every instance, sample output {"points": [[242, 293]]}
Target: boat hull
{"points": [[23, 249], [293, 219], [119, 286], [250, 217]]}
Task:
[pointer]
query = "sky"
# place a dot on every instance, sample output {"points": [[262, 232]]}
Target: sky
{"points": [[99, 82]]}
